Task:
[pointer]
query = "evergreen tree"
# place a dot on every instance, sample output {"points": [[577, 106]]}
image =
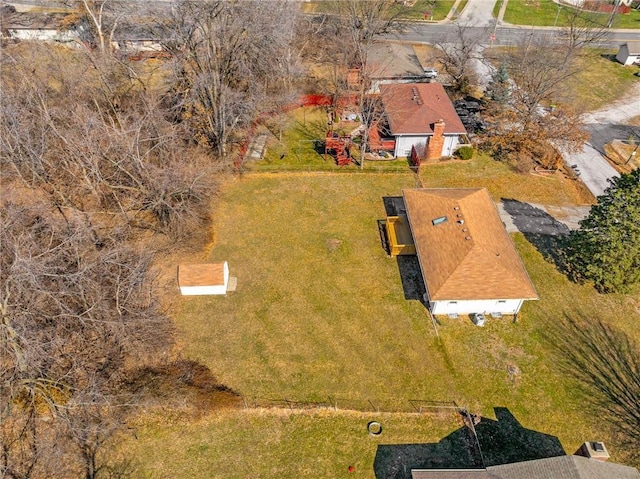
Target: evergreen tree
{"points": [[606, 248], [498, 88]]}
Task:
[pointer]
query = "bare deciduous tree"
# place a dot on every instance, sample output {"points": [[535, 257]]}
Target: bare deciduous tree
{"points": [[230, 59], [583, 28], [456, 53], [351, 33], [107, 152], [522, 130], [74, 318]]}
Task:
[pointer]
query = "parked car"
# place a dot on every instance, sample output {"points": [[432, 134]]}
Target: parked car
{"points": [[430, 73]]}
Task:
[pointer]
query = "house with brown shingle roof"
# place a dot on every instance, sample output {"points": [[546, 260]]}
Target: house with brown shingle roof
{"points": [[469, 263], [421, 114], [562, 467]]}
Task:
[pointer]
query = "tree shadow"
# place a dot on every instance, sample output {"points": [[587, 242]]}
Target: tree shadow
{"points": [[606, 363], [541, 229], [495, 442]]}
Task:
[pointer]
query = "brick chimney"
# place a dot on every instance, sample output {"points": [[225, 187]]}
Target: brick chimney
{"points": [[593, 450], [436, 142]]}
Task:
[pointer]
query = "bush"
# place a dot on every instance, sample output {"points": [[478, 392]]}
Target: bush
{"points": [[465, 152]]}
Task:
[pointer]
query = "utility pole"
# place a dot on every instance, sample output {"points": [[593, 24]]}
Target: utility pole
{"points": [[613, 13], [557, 15]]}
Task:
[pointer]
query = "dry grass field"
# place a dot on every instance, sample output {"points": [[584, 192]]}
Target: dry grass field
{"points": [[321, 311]]}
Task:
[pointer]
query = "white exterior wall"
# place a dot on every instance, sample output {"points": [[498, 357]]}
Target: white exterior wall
{"points": [[203, 290], [508, 306], [450, 144], [405, 142], [624, 57], [43, 35]]}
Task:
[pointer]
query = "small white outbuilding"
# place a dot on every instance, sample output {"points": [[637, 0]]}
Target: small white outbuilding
{"points": [[201, 279], [629, 53]]}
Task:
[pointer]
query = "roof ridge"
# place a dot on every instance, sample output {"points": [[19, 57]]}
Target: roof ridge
{"points": [[455, 270]]}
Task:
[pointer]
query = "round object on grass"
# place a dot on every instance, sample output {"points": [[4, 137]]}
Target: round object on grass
{"points": [[374, 428]]}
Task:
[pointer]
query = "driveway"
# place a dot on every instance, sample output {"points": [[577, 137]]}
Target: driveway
{"points": [[478, 13], [604, 126], [537, 219]]}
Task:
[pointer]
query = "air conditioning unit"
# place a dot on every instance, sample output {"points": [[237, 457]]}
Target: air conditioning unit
{"points": [[478, 319]]}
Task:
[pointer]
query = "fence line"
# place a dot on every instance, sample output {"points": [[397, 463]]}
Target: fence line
{"points": [[419, 406], [317, 169]]}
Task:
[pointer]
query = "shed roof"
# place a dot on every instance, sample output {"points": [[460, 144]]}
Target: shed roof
{"points": [[208, 274], [471, 260], [413, 108], [393, 60], [633, 47]]}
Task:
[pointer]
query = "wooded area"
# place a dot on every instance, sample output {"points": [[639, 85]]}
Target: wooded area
{"points": [[106, 162]]}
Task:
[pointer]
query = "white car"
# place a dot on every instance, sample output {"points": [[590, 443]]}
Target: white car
{"points": [[430, 73]]}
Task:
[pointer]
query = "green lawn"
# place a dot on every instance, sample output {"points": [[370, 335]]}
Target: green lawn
{"points": [[320, 311], [548, 13], [300, 146], [415, 12], [438, 12], [600, 80]]}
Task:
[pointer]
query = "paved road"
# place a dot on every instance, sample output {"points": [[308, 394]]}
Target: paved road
{"points": [[505, 35], [603, 133]]}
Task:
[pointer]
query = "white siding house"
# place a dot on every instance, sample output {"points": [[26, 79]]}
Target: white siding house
{"points": [[468, 261], [422, 114]]}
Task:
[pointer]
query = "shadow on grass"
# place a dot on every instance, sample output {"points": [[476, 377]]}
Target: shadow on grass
{"points": [[606, 363], [311, 129], [500, 441], [411, 276], [408, 266], [541, 229]]}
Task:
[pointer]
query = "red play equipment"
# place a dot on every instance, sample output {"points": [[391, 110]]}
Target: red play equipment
{"points": [[338, 146]]}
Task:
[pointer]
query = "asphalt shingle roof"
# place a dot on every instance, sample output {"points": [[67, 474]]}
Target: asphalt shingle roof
{"points": [[413, 108], [470, 256]]}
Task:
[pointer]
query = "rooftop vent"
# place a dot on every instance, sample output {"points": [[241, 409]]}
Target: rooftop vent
{"points": [[467, 238], [416, 95], [456, 208], [439, 220], [460, 222]]}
